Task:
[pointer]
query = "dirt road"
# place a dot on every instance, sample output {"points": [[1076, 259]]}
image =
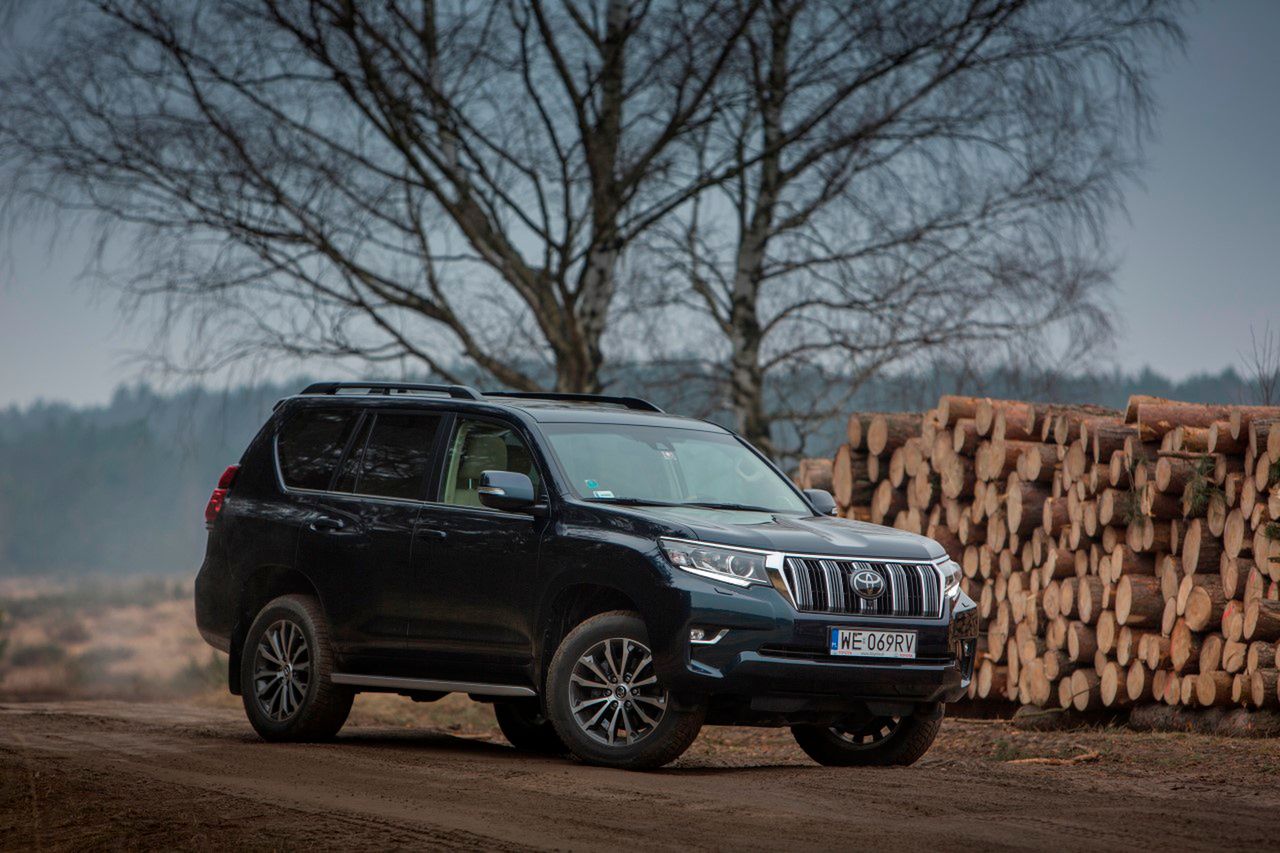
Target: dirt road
{"points": [[80, 775]]}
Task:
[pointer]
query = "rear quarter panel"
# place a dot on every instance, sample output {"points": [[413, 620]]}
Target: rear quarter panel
{"points": [[257, 531]]}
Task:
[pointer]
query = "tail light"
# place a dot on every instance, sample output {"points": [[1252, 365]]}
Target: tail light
{"points": [[219, 496]]}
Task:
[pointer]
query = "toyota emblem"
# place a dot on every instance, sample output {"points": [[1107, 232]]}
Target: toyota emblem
{"points": [[867, 584]]}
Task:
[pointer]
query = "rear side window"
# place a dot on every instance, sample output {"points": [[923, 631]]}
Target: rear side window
{"points": [[351, 464], [310, 444], [396, 456]]}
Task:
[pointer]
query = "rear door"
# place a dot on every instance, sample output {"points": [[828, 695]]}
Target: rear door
{"points": [[472, 616], [358, 542]]}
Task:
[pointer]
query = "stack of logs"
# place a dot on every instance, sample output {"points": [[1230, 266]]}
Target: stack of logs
{"points": [[1117, 558]]}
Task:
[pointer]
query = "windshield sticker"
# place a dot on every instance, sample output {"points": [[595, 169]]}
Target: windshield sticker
{"points": [[602, 493], [592, 484]]}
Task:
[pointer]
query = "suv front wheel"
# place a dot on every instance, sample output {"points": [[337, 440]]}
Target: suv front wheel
{"points": [[605, 700], [284, 673]]}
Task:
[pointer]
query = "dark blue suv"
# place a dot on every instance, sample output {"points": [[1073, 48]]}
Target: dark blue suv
{"points": [[609, 576]]}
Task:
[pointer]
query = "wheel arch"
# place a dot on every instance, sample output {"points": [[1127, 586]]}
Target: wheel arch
{"points": [[571, 605], [267, 583]]}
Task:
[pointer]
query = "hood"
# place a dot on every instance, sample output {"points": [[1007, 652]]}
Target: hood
{"points": [[791, 534]]}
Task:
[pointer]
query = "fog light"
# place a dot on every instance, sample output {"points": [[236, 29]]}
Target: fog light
{"points": [[706, 636]]}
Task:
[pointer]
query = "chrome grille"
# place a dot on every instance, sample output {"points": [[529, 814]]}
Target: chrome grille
{"points": [[819, 585]]}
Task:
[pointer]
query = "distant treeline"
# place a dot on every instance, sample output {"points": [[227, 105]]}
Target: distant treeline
{"points": [[121, 488]]}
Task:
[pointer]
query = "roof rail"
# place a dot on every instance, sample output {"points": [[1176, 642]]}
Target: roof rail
{"points": [[463, 392], [629, 402]]}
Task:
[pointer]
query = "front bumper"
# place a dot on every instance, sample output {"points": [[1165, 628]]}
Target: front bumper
{"points": [[772, 650]]}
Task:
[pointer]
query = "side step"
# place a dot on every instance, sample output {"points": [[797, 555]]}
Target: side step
{"points": [[387, 682]]}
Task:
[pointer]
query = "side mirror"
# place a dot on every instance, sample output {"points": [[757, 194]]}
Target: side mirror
{"points": [[822, 501], [506, 490]]}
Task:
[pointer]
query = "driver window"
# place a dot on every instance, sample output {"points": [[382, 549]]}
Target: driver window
{"points": [[480, 446]]}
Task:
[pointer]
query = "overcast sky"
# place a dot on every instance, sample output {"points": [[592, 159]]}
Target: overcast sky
{"points": [[1199, 250]]}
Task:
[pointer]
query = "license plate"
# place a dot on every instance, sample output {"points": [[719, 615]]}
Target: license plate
{"points": [[870, 643]]}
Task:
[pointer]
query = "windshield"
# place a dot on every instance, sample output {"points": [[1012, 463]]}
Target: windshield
{"points": [[660, 465]]}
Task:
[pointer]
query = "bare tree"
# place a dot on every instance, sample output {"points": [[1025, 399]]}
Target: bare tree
{"points": [[1262, 365], [775, 199], [437, 183], [911, 178]]}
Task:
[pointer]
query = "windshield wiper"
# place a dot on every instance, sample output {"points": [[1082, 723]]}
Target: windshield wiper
{"points": [[740, 507], [698, 504], [633, 502]]}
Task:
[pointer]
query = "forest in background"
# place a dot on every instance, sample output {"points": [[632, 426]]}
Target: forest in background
{"points": [[120, 488]]}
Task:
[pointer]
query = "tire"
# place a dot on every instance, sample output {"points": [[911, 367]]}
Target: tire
{"points": [[903, 746], [308, 707], [646, 746], [526, 728]]}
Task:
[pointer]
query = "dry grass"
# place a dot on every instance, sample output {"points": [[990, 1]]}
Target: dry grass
{"points": [[90, 639], [136, 639]]}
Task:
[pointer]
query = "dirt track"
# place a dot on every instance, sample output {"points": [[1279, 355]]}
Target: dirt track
{"points": [[163, 776]]}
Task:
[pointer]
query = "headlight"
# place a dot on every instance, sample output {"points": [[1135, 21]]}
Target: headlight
{"points": [[951, 574], [732, 565]]}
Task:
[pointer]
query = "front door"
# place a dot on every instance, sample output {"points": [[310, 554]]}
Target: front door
{"points": [[358, 544], [476, 574]]}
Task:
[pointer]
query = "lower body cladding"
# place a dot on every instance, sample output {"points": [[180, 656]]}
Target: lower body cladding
{"points": [[774, 666]]}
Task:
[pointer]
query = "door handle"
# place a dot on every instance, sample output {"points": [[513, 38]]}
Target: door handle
{"points": [[431, 533], [326, 524]]}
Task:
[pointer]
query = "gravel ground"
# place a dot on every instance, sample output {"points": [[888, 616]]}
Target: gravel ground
{"points": [[88, 775]]}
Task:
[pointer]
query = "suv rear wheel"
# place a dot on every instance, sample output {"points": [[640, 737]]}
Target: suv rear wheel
{"points": [[878, 742], [606, 703], [525, 727], [284, 673]]}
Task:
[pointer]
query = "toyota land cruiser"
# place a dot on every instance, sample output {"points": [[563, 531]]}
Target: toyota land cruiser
{"points": [[609, 576]]}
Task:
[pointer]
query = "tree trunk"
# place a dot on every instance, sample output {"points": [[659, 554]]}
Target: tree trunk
{"points": [[856, 430], [1138, 601], [1262, 620], [1155, 416], [818, 474], [849, 482], [1113, 685], [1086, 690], [1139, 683], [1204, 601], [888, 432], [1184, 649], [1263, 688], [1082, 642], [1200, 549], [1213, 689], [746, 376], [951, 408], [746, 332], [578, 361]]}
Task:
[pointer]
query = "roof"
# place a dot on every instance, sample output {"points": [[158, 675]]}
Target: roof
{"points": [[548, 411], [547, 407]]}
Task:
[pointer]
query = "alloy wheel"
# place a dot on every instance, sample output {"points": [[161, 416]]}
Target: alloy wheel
{"points": [[281, 670], [614, 693]]}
